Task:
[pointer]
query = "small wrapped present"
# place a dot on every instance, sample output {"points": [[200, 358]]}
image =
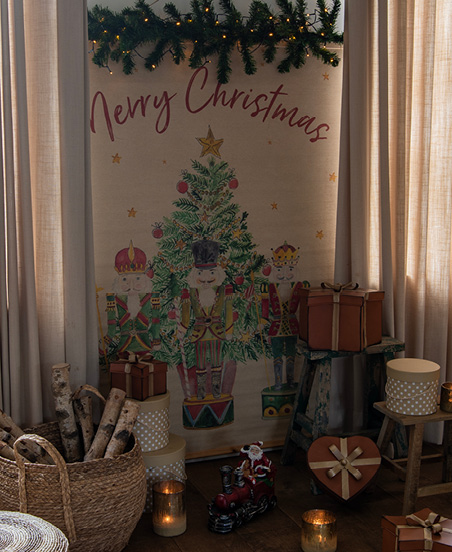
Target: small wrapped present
{"points": [[423, 530], [140, 377], [341, 317], [344, 466]]}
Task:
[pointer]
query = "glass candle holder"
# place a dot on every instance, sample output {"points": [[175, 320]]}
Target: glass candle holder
{"points": [[318, 531], [445, 401], [169, 515]]}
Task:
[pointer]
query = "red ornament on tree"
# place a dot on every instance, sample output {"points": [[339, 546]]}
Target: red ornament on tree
{"points": [[182, 187], [266, 270], [157, 232], [233, 184], [239, 279]]}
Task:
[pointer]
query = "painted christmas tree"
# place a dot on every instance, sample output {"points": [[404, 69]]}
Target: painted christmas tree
{"points": [[206, 273]]}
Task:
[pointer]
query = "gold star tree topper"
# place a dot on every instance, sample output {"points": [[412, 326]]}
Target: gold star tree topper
{"points": [[210, 145]]}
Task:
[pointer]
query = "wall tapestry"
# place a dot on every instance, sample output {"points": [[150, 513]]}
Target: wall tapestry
{"points": [[214, 204]]}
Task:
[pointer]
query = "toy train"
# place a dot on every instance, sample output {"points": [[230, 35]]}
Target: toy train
{"points": [[242, 500]]}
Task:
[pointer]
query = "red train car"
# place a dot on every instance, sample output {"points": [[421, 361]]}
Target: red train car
{"points": [[240, 500]]}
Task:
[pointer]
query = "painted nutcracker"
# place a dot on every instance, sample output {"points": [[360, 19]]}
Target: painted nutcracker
{"points": [[280, 306], [210, 303], [132, 308]]}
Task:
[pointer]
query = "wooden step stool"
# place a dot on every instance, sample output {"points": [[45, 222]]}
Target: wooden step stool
{"points": [[415, 426], [303, 428]]}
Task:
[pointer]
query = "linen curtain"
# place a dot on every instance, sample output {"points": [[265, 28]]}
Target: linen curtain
{"points": [[47, 289], [394, 199]]}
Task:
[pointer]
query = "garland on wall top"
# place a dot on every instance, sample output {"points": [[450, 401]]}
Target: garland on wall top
{"points": [[119, 36]]}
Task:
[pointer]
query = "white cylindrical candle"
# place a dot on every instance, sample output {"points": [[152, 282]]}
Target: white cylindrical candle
{"points": [[318, 531], [169, 516]]}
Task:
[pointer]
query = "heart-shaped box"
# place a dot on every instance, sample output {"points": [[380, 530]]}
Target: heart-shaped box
{"points": [[344, 466]]}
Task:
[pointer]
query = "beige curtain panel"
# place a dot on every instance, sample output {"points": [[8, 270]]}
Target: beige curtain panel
{"points": [[395, 202], [47, 291]]}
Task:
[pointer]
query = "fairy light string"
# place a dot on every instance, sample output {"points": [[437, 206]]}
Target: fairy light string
{"points": [[119, 36]]}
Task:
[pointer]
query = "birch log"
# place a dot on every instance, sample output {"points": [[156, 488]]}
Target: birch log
{"points": [[83, 408], [6, 451], [10, 431], [123, 429], [62, 395], [107, 424]]}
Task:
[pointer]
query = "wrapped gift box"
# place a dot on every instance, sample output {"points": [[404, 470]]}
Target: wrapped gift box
{"points": [[340, 319], [416, 532], [152, 425], [168, 462], [140, 377], [344, 466]]}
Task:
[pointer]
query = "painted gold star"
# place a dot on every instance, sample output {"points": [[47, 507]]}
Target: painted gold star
{"points": [[246, 337], [333, 177], [205, 217], [237, 233], [210, 145], [116, 158], [274, 206], [320, 234], [132, 212], [180, 244], [326, 76]]}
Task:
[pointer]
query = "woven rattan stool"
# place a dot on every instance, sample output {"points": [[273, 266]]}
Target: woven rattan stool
{"points": [[25, 533], [410, 473]]}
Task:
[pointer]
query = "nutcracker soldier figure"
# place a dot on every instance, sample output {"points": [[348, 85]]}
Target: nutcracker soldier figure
{"points": [[210, 303], [280, 305], [132, 309]]}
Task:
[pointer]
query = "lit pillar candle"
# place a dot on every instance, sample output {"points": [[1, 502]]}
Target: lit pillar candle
{"points": [[445, 402], [169, 516], [318, 531]]}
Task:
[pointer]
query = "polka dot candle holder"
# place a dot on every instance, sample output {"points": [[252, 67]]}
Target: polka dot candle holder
{"points": [[412, 386], [152, 426]]}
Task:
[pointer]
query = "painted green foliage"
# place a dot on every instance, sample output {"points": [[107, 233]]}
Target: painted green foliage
{"points": [[206, 210]]}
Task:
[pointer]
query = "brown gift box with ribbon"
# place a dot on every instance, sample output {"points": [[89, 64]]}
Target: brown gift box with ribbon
{"points": [[344, 467], [423, 530], [140, 377], [341, 317]]}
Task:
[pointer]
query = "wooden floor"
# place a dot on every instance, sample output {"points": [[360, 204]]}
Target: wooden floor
{"points": [[279, 530]]}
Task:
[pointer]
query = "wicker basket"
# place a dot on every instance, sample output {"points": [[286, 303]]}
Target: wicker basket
{"points": [[97, 504]]}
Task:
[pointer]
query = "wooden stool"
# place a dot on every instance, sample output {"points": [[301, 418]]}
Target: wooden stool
{"points": [[303, 429], [415, 425]]}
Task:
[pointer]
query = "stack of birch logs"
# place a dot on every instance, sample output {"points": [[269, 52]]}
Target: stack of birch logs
{"points": [[74, 413]]}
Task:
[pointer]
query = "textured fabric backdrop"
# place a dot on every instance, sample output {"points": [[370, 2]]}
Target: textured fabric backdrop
{"points": [[279, 134]]}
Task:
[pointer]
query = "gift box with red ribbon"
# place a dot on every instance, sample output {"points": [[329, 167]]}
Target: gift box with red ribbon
{"points": [[344, 466], [340, 317], [139, 376], [423, 530]]}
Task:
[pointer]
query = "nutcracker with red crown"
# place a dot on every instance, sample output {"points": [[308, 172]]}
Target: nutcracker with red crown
{"points": [[132, 308], [280, 304]]}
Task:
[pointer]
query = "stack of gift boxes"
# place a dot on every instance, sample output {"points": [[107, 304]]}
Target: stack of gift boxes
{"points": [[143, 378]]}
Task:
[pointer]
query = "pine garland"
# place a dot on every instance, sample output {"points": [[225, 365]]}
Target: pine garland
{"points": [[121, 36]]}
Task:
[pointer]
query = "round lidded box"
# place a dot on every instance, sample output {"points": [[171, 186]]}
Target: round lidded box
{"points": [[160, 463], [152, 427], [412, 386]]}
